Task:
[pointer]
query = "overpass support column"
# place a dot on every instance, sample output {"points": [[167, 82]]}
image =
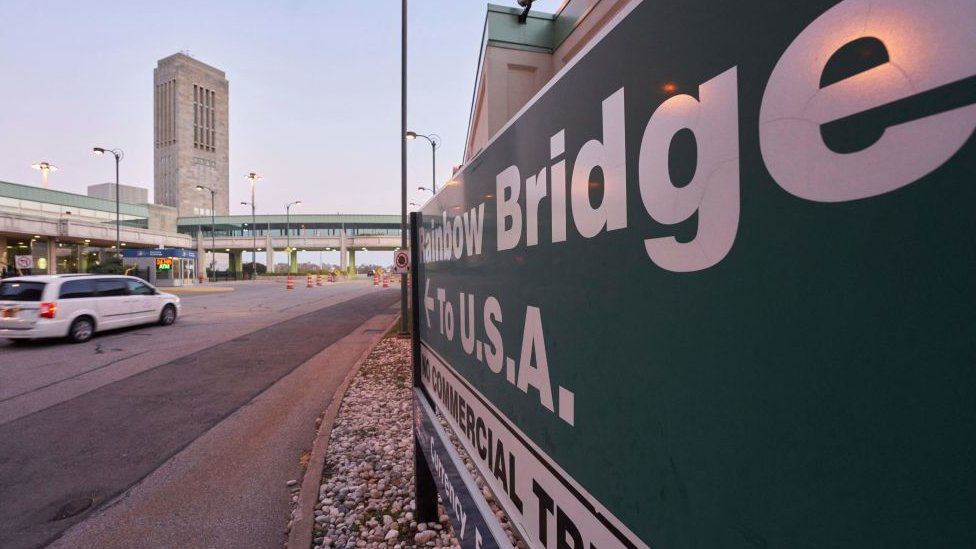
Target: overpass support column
{"points": [[269, 257], [343, 264], [234, 262], [293, 261], [351, 269], [5, 258], [202, 261], [52, 257]]}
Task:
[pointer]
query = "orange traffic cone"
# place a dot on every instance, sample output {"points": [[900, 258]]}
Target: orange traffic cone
{"points": [[308, 281], [290, 285], [318, 281], [386, 281], [376, 280]]}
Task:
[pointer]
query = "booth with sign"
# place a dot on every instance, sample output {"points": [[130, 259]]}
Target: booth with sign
{"points": [[165, 267]]}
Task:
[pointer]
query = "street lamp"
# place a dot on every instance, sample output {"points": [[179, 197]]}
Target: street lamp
{"points": [[288, 229], [45, 167], [435, 142], [253, 178], [213, 225], [426, 189], [118, 154]]}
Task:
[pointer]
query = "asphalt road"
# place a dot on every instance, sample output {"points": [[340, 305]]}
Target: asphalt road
{"points": [[107, 423]]}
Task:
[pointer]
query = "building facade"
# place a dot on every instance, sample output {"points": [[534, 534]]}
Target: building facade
{"points": [[191, 135], [127, 193], [518, 59]]}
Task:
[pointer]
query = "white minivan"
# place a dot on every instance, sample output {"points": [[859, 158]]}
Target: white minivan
{"points": [[77, 306]]}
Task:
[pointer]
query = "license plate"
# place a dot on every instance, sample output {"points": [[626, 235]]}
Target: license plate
{"points": [[10, 313]]}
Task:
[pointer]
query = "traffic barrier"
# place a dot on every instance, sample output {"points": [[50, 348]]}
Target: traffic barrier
{"points": [[376, 280], [386, 281], [290, 284], [318, 281], [308, 281]]}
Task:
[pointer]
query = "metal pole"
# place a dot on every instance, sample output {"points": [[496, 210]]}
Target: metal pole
{"points": [[288, 235], [433, 169], [403, 161], [254, 237], [118, 239], [425, 489], [213, 236]]}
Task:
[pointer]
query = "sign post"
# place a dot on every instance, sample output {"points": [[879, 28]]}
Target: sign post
{"points": [[401, 262], [24, 261], [764, 214]]}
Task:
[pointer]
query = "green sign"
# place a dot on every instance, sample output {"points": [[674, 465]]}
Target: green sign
{"points": [[714, 286]]}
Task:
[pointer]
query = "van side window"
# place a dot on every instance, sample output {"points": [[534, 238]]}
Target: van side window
{"points": [[76, 289], [111, 287], [138, 288]]}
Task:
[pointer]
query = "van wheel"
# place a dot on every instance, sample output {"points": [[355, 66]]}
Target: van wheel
{"points": [[81, 330], [168, 316]]}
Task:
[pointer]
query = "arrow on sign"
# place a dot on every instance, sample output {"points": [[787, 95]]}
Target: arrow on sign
{"points": [[428, 302]]}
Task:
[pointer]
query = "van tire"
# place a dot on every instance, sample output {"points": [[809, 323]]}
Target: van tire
{"points": [[81, 330], [167, 316]]}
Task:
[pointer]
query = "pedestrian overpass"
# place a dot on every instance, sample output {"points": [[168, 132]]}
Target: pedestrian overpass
{"points": [[68, 232], [344, 233]]}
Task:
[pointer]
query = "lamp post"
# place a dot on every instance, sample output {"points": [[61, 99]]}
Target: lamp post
{"points": [[45, 168], [435, 142], [213, 225], [423, 507], [118, 154], [253, 178], [288, 229], [432, 191]]}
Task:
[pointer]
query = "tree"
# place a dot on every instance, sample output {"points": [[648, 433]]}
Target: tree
{"points": [[111, 265]]}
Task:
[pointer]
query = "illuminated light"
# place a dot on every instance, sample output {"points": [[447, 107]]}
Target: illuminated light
{"points": [[44, 166], [87, 241], [37, 236], [669, 87], [48, 310], [226, 249]]}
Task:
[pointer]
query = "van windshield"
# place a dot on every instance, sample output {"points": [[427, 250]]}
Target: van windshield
{"points": [[17, 290]]}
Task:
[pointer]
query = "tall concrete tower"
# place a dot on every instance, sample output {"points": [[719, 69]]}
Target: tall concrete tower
{"points": [[191, 131]]}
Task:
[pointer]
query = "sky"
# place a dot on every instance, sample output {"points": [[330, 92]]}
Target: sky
{"points": [[314, 92]]}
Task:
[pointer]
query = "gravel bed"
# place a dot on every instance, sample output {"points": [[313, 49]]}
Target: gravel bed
{"points": [[366, 496]]}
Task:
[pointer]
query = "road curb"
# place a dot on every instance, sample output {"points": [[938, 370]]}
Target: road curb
{"points": [[303, 516], [213, 290]]}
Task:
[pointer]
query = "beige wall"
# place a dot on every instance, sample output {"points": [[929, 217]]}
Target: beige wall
{"points": [[511, 78], [162, 218], [594, 14]]}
